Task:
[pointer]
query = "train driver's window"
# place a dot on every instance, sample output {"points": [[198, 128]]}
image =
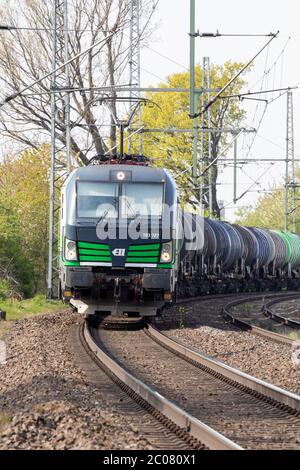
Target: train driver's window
{"points": [[96, 200]]}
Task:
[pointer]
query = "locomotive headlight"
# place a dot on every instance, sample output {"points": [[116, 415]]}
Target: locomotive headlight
{"points": [[120, 175], [166, 253], [70, 250]]}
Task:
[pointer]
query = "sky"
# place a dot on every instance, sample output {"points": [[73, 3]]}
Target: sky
{"points": [[278, 66]]}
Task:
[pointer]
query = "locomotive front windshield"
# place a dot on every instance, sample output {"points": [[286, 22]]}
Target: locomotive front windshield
{"points": [[113, 200], [141, 199], [97, 199]]}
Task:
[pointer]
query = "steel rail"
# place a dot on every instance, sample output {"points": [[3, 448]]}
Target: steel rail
{"points": [[243, 325], [196, 429], [253, 296], [266, 309], [222, 370]]}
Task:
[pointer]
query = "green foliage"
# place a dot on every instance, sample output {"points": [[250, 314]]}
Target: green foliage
{"points": [[269, 209], [18, 309], [174, 151], [4, 289], [181, 313], [24, 193], [267, 213]]}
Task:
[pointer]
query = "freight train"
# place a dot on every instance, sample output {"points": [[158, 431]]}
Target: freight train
{"points": [[127, 248], [236, 258]]}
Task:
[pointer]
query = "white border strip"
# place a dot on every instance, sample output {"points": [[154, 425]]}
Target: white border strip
{"points": [[94, 263], [140, 265]]}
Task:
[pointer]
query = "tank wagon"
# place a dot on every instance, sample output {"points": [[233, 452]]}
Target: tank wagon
{"points": [[236, 258]]}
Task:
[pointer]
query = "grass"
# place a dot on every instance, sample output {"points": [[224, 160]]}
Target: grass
{"points": [[294, 335], [5, 419], [18, 309], [181, 312]]}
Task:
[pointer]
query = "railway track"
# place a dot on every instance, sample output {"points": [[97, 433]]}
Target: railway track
{"points": [[285, 311], [177, 424], [256, 315], [239, 411]]}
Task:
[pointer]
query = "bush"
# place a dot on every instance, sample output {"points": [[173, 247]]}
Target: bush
{"points": [[16, 266], [4, 289], [38, 300]]}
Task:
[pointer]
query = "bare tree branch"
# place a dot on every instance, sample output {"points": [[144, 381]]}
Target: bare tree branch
{"points": [[27, 55]]}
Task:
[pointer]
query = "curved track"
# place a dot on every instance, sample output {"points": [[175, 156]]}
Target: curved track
{"points": [[190, 430], [254, 314], [245, 410], [285, 311]]}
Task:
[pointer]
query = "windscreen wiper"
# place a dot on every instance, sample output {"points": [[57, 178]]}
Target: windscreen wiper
{"points": [[129, 206], [103, 216]]}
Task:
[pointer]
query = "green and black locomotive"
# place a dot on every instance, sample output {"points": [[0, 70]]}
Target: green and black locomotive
{"points": [[119, 247]]}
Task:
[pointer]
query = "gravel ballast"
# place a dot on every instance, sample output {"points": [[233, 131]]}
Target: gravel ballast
{"points": [[200, 326], [46, 400]]}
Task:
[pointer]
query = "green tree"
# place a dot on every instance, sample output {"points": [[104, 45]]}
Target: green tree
{"points": [[268, 211], [24, 193], [174, 150]]}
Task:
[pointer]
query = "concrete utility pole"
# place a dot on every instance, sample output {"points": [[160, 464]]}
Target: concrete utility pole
{"points": [[135, 69], [206, 137], [235, 171], [60, 154], [205, 116], [290, 184], [193, 94]]}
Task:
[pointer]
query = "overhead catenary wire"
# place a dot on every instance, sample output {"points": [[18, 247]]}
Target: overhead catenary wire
{"points": [[270, 141], [49, 74], [81, 54], [266, 71], [154, 6], [218, 35], [255, 182], [260, 120], [253, 179], [261, 92], [13, 27], [257, 104], [264, 112], [13, 96], [215, 159], [248, 189], [257, 128], [232, 80], [25, 28], [157, 2], [284, 93], [283, 90]]}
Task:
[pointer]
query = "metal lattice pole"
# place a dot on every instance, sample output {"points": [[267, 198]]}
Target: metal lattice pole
{"points": [[60, 123], [135, 70], [67, 84], [290, 185]]}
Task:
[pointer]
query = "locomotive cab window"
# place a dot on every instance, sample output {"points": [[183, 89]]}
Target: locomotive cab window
{"points": [[142, 200], [95, 200]]}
